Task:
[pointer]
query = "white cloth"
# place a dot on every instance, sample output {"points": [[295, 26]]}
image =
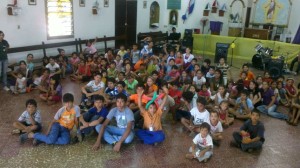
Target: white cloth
{"points": [[216, 128], [203, 142], [25, 117], [95, 87]]}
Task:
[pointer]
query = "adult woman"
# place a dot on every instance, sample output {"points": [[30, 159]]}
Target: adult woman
{"points": [[3, 60]]}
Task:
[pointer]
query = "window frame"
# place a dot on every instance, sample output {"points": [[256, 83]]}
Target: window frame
{"points": [[47, 23]]}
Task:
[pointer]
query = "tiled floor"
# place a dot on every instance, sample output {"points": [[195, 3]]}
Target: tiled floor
{"points": [[281, 148]]}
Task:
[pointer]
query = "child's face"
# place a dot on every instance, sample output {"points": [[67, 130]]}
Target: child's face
{"points": [[97, 78], [82, 63], [128, 67], [98, 104], [243, 96], [119, 88], [31, 108], [222, 61], [149, 82], [1, 36], [289, 82], [193, 62], [121, 76], [187, 50], [267, 75], [211, 71], [203, 132], [74, 56], [68, 105], [204, 88], [199, 74], [279, 86], [205, 64], [120, 104], [104, 74], [280, 79], [118, 58], [184, 74], [259, 80], [110, 85], [273, 85], [265, 85], [52, 81], [224, 106], [214, 117], [243, 76], [245, 68], [221, 90], [122, 48], [134, 47], [174, 70], [251, 85], [254, 117], [200, 107], [171, 62], [152, 108], [20, 76], [193, 89], [196, 67], [112, 66]]}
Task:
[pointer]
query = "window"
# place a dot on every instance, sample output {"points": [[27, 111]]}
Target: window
{"points": [[59, 15]]}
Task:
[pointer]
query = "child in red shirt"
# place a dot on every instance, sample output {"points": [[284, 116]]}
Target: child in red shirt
{"points": [[174, 92]]}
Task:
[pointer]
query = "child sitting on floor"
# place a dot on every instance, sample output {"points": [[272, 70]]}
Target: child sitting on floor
{"points": [[54, 93], [20, 86], [152, 130], [295, 105], [96, 115], [243, 106], [123, 132], [202, 145], [251, 134], [223, 113], [83, 72], [30, 120], [216, 128]]}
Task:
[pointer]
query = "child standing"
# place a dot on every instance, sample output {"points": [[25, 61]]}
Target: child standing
{"points": [[59, 130], [251, 134], [30, 120], [123, 132], [152, 132], [202, 145], [135, 54]]}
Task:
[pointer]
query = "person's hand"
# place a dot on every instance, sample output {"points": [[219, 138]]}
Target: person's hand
{"points": [[244, 133], [117, 147], [191, 128], [85, 124], [96, 146], [165, 89], [88, 94], [246, 140]]}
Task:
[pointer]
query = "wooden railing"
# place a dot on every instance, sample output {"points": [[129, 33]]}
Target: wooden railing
{"points": [[77, 43]]}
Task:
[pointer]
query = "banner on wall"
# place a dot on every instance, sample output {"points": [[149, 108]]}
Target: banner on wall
{"points": [[274, 12], [174, 4]]}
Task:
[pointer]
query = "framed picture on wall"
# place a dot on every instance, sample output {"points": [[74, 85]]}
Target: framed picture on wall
{"points": [[82, 3], [106, 3], [31, 2]]}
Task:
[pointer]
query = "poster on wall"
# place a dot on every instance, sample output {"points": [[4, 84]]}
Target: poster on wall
{"points": [[174, 4], [276, 12]]}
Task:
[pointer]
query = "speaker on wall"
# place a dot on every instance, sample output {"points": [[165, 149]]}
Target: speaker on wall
{"points": [[275, 67], [188, 33], [221, 51]]}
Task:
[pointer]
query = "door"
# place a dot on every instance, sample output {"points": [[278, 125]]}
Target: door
{"points": [[125, 21]]}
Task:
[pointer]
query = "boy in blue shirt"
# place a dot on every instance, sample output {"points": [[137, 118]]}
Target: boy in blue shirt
{"points": [[96, 115], [251, 134]]}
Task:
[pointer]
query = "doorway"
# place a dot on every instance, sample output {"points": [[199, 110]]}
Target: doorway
{"points": [[125, 21]]}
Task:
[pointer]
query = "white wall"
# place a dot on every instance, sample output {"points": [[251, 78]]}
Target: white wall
{"points": [[32, 23], [294, 21], [193, 21]]}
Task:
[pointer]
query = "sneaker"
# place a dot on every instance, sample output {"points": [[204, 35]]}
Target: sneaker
{"points": [[36, 142], [6, 88], [15, 131], [23, 138]]}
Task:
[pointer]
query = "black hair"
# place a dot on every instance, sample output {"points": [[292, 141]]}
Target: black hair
{"points": [[211, 112], [207, 61], [121, 96], [30, 101], [111, 80], [201, 100], [22, 62], [74, 53], [174, 67], [172, 59], [205, 125], [1, 32], [60, 50], [256, 111], [29, 55], [52, 57], [246, 64], [68, 97], [188, 96], [140, 85], [122, 73], [97, 73], [194, 59], [244, 91], [121, 83], [98, 97], [155, 72]]}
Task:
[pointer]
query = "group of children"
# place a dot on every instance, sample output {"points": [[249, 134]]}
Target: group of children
{"points": [[130, 93]]}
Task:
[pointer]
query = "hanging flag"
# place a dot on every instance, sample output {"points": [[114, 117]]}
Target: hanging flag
{"points": [[189, 10]]}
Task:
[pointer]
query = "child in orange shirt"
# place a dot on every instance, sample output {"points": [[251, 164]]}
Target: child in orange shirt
{"points": [[152, 132]]}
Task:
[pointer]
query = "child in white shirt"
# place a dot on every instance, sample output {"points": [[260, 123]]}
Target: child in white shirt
{"points": [[202, 145], [216, 128]]}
